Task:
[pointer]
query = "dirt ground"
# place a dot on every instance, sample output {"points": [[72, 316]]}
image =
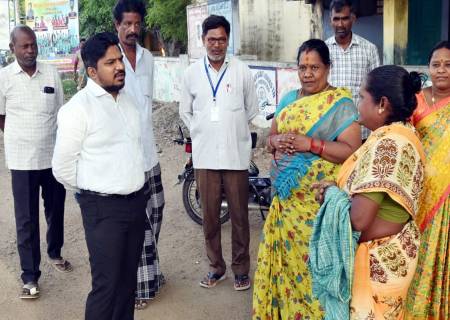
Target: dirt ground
{"points": [[183, 260]]}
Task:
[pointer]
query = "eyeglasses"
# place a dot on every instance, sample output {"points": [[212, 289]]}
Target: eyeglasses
{"points": [[212, 41]]}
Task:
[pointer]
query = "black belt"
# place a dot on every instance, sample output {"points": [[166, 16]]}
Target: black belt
{"points": [[110, 195]]}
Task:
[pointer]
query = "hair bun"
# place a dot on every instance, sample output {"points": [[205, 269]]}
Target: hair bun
{"points": [[416, 81]]}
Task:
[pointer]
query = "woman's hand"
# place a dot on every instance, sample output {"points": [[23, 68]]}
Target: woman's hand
{"points": [[321, 188], [279, 143], [290, 143], [298, 143]]}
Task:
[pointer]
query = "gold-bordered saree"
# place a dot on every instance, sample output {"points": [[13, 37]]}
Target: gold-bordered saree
{"points": [[391, 161], [429, 294]]}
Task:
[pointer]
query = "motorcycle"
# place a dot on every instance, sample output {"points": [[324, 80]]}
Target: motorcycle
{"points": [[259, 186]]}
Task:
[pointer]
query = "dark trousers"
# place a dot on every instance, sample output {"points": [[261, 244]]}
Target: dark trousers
{"points": [[114, 230], [25, 187], [235, 184]]}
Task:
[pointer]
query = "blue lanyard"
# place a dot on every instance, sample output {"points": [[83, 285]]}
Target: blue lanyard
{"points": [[214, 90]]}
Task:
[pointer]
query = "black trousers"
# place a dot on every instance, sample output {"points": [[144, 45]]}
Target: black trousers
{"points": [[114, 230], [25, 187]]}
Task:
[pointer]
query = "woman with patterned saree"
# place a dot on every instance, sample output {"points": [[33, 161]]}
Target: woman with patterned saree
{"points": [[384, 180], [429, 294], [310, 136]]}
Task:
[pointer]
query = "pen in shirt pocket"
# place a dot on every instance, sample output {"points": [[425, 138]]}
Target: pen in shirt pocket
{"points": [[228, 88]]}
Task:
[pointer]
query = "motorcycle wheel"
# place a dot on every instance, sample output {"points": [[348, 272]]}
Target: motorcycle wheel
{"points": [[191, 202]]}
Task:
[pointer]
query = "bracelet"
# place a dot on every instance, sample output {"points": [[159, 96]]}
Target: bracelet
{"points": [[311, 145], [322, 147], [318, 150]]}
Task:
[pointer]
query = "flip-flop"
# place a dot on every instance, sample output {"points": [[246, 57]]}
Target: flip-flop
{"points": [[242, 282], [212, 279], [61, 265], [30, 290]]}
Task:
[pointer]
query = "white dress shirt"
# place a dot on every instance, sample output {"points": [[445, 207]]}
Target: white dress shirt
{"points": [[30, 126], [139, 85], [224, 143], [349, 67], [98, 144]]}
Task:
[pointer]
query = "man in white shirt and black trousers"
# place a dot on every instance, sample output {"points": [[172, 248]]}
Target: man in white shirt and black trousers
{"points": [[31, 94], [218, 101], [99, 154]]}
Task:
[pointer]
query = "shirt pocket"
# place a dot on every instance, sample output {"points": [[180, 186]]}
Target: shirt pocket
{"points": [[48, 102], [234, 97]]}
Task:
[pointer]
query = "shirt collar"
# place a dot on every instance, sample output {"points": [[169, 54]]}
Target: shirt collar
{"points": [[139, 53], [355, 40], [18, 69], [96, 89], [225, 63]]}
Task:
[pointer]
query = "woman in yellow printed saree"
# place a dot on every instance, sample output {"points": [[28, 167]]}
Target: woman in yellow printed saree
{"points": [[309, 137], [429, 294], [384, 179]]}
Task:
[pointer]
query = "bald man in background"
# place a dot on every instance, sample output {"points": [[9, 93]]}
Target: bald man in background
{"points": [[31, 94]]}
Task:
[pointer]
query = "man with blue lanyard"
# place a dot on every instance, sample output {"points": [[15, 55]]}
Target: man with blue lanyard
{"points": [[218, 101]]}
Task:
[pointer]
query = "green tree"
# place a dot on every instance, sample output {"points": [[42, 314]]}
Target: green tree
{"points": [[96, 16], [169, 17], [22, 13]]}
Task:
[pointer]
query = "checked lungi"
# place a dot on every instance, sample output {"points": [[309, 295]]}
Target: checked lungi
{"points": [[149, 272]]}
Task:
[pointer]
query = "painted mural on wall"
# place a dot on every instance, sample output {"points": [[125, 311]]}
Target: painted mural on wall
{"points": [[266, 91], [287, 80], [223, 8], [56, 25], [195, 17]]}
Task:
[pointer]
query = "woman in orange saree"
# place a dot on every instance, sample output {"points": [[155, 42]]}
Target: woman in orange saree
{"points": [[429, 294], [384, 180]]}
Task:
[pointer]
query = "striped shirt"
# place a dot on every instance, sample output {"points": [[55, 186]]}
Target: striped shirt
{"points": [[349, 67]]}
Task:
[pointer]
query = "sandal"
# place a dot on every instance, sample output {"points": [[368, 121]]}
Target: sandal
{"points": [[30, 290], [61, 265], [212, 279], [241, 282], [140, 304]]}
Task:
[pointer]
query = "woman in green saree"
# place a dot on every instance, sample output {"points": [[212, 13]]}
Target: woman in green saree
{"points": [[314, 131]]}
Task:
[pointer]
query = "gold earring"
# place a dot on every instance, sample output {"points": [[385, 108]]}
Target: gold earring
{"points": [[380, 110]]}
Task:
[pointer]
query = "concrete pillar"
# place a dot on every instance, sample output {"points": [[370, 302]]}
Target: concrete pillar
{"points": [[395, 31]]}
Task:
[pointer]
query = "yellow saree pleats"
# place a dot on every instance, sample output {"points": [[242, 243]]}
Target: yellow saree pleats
{"points": [[429, 294], [282, 282]]}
